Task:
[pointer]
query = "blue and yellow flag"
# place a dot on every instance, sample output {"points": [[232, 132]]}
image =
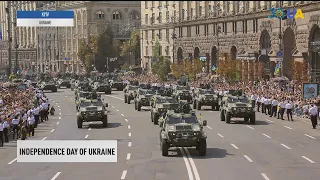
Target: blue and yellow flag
{"points": [[276, 70], [203, 58]]}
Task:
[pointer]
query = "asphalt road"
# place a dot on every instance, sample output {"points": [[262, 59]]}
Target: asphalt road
{"points": [[270, 150]]}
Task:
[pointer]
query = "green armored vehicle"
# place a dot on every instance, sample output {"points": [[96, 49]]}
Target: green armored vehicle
{"points": [[182, 130], [92, 110], [237, 106], [129, 93], [205, 97], [182, 93], [160, 106], [143, 98]]}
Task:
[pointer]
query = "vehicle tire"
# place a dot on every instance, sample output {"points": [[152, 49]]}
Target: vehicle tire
{"points": [[164, 148], [105, 121], [79, 122], [125, 99], [228, 117], [213, 107], [203, 147], [194, 105], [246, 119], [68, 86], [54, 90], [139, 107], [198, 106], [253, 119], [222, 117], [155, 119]]}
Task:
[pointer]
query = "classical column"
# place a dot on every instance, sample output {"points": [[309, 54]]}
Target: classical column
{"points": [[244, 70]]}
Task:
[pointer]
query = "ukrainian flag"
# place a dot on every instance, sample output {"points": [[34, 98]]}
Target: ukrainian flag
{"points": [[214, 68], [276, 70]]}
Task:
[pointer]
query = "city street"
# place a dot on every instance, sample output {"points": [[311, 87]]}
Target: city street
{"points": [[270, 150]]}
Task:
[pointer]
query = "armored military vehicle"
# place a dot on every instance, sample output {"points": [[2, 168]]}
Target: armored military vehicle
{"points": [[64, 83], [91, 111], [205, 97], [49, 85], [117, 85], [238, 107], [160, 106], [143, 98], [182, 130], [102, 87], [129, 93], [182, 93]]}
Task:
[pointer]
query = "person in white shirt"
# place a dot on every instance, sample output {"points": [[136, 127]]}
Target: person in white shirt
{"points": [[274, 104], [267, 106], [35, 113], [258, 103], [289, 110], [1, 134], [6, 127], [15, 122], [263, 107], [31, 122], [313, 111], [253, 100], [282, 108]]}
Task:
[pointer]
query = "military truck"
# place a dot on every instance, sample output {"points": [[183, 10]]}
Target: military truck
{"points": [[182, 93], [143, 98], [129, 93], [64, 83], [92, 110], [205, 97], [50, 85], [102, 87], [160, 106], [117, 85], [182, 130], [238, 107]]}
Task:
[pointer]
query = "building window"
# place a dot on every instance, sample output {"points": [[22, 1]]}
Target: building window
{"points": [[167, 35], [255, 26], [153, 34], [209, 7], [100, 15], [147, 52], [206, 29], [160, 17], [191, 13], [167, 50], [182, 14], [244, 26], [146, 19], [174, 13], [180, 32], [117, 15], [146, 4], [197, 29], [188, 31], [167, 17], [160, 34], [135, 15], [146, 35], [200, 11], [234, 26], [160, 3], [225, 28], [152, 18]]}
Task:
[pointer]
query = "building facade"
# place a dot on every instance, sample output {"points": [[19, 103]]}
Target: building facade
{"points": [[240, 29], [25, 36], [58, 47]]}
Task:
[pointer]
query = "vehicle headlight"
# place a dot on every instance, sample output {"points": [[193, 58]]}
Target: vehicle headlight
{"points": [[196, 133], [171, 128], [172, 133], [99, 108], [233, 109], [196, 128]]}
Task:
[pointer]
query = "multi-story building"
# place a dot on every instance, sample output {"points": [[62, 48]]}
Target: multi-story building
{"points": [[241, 29], [26, 37], [59, 46]]}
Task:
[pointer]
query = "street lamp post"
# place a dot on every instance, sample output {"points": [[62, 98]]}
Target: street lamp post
{"points": [[174, 37]]}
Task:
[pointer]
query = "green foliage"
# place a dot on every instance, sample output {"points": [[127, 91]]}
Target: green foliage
{"points": [[125, 67], [133, 44], [161, 68], [156, 50], [87, 51], [89, 62]]}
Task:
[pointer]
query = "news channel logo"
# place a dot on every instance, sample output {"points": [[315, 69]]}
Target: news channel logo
{"points": [[286, 13]]}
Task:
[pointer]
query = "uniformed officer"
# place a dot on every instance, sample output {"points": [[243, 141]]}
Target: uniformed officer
{"points": [[267, 106], [253, 100], [6, 127], [36, 112], [258, 103], [313, 111], [263, 108], [289, 110], [15, 122], [31, 123], [274, 104], [1, 134], [282, 108]]}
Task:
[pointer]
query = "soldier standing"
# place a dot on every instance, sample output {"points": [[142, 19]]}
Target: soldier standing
{"points": [[313, 111], [15, 122], [289, 110], [274, 104], [263, 107], [31, 122], [282, 108], [253, 100], [36, 112]]}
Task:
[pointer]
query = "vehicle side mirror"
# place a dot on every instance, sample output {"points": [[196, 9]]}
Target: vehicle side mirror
{"points": [[107, 104], [204, 122]]}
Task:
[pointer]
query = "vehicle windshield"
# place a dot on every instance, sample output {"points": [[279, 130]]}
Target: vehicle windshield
{"points": [[183, 88], [176, 120], [97, 103], [239, 99], [205, 91], [84, 95], [160, 91], [150, 92], [130, 88], [85, 104]]}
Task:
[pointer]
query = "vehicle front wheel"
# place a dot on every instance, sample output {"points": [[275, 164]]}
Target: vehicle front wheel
{"points": [[202, 147], [222, 117], [164, 147], [228, 117], [139, 107], [253, 119], [105, 122], [79, 122], [155, 119]]}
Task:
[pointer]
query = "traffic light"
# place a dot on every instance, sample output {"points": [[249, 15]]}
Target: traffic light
{"points": [[285, 14]]}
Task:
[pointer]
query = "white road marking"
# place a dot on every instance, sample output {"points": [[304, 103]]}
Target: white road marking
{"points": [[193, 165], [113, 107], [12, 161], [89, 129], [115, 97], [249, 127], [126, 120], [247, 157], [58, 106], [90, 122], [285, 146], [220, 135], [44, 138], [57, 122], [269, 120], [122, 115], [209, 127], [234, 146], [266, 135], [187, 164], [55, 176], [117, 109], [50, 99], [65, 96], [265, 176], [129, 144], [53, 101], [52, 130], [59, 109], [288, 127], [60, 113], [86, 136], [304, 157], [310, 136], [129, 134], [59, 117], [129, 127], [128, 156], [124, 173]]}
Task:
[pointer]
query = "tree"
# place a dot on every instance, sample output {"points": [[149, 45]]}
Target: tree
{"points": [[162, 68], [133, 44], [156, 50], [87, 49], [177, 69], [125, 67], [89, 62]]}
